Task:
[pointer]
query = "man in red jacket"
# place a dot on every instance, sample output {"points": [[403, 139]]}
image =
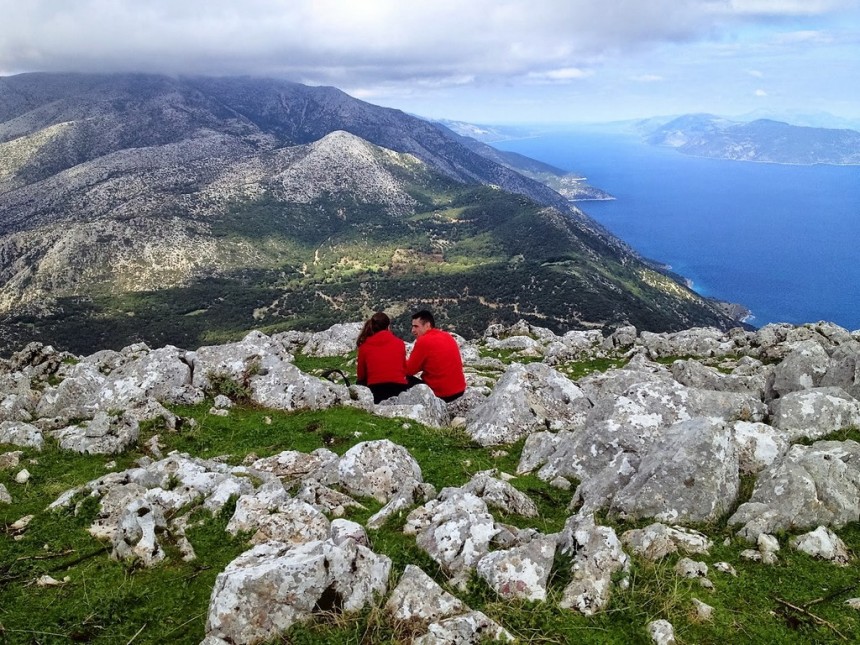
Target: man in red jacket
{"points": [[437, 356]]}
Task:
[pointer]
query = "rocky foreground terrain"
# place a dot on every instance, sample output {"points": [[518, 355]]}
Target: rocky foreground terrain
{"points": [[666, 438]]}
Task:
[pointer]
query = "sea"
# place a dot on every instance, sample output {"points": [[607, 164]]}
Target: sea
{"points": [[781, 240]]}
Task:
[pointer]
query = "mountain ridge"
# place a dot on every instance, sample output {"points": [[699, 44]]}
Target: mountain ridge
{"points": [[134, 207], [761, 140]]}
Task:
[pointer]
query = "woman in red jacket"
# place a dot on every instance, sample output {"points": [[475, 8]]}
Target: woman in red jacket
{"points": [[381, 359]]}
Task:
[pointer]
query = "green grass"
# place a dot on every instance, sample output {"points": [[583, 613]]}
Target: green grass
{"points": [[112, 602]]}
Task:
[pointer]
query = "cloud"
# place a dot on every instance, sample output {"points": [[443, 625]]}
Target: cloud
{"points": [[786, 7], [802, 37], [371, 40], [760, 92], [409, 49], [562, 75], [755, 73]]}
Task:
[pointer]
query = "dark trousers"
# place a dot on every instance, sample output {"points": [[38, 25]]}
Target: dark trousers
{"points": [[382, 391]]}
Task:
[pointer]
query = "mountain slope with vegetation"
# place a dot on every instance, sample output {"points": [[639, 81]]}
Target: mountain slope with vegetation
{"points": [[188, 210]]}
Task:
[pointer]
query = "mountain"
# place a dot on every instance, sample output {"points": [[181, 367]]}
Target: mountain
{"points": [[570, 185], [802, 118], [762, 140], [486, 133], [187, 210]]}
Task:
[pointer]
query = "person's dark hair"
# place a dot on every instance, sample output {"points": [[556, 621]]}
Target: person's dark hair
{"points": [[377, 322], [424, 316]]}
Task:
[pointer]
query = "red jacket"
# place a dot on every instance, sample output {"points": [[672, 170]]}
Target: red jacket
{"points": [[382, 359], [437, 356]]}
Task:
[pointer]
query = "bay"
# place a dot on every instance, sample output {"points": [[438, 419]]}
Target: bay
{"points": [[782, 240]]}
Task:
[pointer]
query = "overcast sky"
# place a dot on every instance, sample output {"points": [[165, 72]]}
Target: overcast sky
{"points": [[485, 61]]}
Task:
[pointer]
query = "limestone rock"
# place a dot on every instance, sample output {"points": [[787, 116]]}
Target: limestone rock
{"points": [[527, 398], [687, 568], [159, 374], [75, 396], [342, 530], [661, 632], [817, 485], [597, 557], [410, 493], [377, 469], [18, 433], [702, 612], [539, 448], [435, 616], [417, 403], [292, 464], [337, 340], [175, 483], [10, 460], [472, 628], [623, 337], [455, 529], [520, 572], [270, 515], [325, 499], [5, 497], [844, 369], [693, 374], [267, 589], [656, 541], [803, 367], [103, 435], [135, 536], [669, 482], [814, 413], [417, 597], [264, 366], [222, 402], [725, 567], [822, 543], [500, 494], [758, 444]]}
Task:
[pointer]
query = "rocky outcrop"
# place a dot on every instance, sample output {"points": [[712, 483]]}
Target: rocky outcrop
{"points": [[527, 398], [267, 589], [809, 487], [646, 441]]}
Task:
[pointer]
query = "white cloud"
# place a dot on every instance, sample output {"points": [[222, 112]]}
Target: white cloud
{"points": [[755, 73], [332, 40], [562, 75], [801, 37], [760, 92], [787, 7], [417, 50]]}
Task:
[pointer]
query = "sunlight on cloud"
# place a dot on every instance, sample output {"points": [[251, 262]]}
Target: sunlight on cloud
{"points": [[562, 75], [809, 36], [786, 7]]}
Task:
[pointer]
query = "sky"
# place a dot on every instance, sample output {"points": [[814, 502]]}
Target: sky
{"points": [[481, 61]]}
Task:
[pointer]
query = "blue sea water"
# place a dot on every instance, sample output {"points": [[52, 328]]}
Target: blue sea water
{"points": [[781, 240]]}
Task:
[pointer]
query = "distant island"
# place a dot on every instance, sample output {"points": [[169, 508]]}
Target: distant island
{"points": [[762, 140]]}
